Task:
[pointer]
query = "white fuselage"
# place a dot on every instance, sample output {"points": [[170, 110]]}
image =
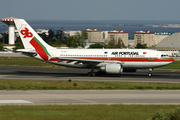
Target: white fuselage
{"points": [[131, 58]]}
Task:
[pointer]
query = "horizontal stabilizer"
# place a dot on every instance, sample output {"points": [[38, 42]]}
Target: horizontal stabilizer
{"points": [[28, 52]]}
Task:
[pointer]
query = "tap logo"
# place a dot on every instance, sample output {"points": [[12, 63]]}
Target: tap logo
{"points": [[26, 33]]}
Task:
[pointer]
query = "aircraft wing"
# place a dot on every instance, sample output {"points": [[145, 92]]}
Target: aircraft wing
{"points": [[89, 60]]}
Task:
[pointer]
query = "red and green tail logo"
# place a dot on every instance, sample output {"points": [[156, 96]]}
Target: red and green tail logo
{"points": [[40, 48], [26, 33]]}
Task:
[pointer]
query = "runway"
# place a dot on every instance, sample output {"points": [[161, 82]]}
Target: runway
{"points": [[64, 74], [44, 97]]}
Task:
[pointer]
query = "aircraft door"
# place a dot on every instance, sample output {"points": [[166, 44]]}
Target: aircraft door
{"points": [[108, 57], [151, 56]]}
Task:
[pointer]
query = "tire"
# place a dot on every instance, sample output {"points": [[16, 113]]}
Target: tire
{"points": [[93, 74], [150, 74], [89, 74]]}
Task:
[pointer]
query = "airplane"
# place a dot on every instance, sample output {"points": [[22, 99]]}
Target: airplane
{"points": [[107, 61]]}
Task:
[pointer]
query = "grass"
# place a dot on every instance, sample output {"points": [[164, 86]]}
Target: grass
{"points": [[82, 112], [174, 65], [78, 112], [81, 85], [24, 62], [35, 62]]}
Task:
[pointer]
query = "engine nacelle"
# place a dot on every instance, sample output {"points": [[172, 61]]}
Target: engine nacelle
{"points": [[129, 70], [112, 69]]}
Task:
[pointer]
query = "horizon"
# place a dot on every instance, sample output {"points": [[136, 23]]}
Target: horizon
{"points": [[108, 21], [91, 10], [105, 25]]}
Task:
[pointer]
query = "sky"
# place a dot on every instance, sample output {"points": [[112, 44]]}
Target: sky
{"points": [[91, 9]]}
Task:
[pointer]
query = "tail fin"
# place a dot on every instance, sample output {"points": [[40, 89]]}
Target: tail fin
{"points": [[30, 39]]}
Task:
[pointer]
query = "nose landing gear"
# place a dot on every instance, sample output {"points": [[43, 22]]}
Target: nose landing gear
{"points": [[150, 72]]}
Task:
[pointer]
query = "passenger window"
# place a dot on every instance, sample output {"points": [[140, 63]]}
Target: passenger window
{"points": [[164, 55]]}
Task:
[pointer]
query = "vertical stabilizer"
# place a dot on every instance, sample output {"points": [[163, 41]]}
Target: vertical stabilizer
{"points": [[30, 39]]}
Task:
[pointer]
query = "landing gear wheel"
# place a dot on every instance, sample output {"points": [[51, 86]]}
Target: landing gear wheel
{"points": [[150, 74], [91, 74]]}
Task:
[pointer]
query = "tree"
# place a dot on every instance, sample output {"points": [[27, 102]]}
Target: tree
{"points": [[43, 36], [1, 47], [81, 39], [70, 41], [4, 38], [96, 45], [120, 44], [1, 38], [19, 44], [60, 35], [73, 41], [51, 34], [48, 39], [139, 45], [77, 40], [57, 43], [169, 115], [111, 43]]}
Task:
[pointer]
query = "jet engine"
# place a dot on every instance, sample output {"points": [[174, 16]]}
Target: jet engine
{"points": [[112, 68]]}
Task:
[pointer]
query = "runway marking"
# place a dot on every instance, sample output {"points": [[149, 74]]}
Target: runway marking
{"points": [[83, 100], [14, 101]]}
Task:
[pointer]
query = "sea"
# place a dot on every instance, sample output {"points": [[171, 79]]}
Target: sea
{"points": [[105, 25]]}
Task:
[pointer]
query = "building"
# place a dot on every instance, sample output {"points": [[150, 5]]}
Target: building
{"points": [[69, 33], [105, 37], [94, 35], [170, 45], [116, 35], [41, 31], [131, 44], [10, 22], [160, 36], [144, 37]]}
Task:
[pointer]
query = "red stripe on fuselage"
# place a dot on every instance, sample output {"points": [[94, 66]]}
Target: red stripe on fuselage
{"points": [[143, 59], [133, 59], [39, 49], [129, 59]]}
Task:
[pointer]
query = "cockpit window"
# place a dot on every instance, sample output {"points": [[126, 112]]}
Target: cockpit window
{"points": [[164, 55]]}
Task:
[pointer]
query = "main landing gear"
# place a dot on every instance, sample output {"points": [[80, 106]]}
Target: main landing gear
{"points": [[150, 72], [98, 73], [92, 73]]}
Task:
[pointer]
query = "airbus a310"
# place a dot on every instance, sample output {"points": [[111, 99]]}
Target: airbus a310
{"points": [[108, 61]]}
